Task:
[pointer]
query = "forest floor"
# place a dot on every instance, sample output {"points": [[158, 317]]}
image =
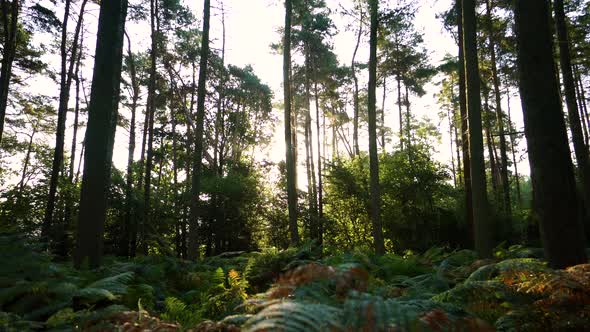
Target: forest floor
{"points": [[293, 290]]}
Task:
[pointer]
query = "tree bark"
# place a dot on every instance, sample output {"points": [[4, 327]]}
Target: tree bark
{"points": [[552, 174], [129, 241], [100, 134], [193, 240], [320, 190], [481, 210], [465, 129], [373, 156], [507, 205], [355, 134], [290, 151], [580, 148], [8, 54], [66, 76]]}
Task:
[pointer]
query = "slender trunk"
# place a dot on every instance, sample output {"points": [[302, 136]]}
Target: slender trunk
{"points": [[481, 210], [151, 109], [21, 183], [499, 115], [452, 149], [580, 100], [58, 152], [69, 210], [289, 142], [355, 135], [580, 148], [100, 135], [76, 112], [552, 174], [320, 193], [400, 112], [129, 242], [408, 122], [383, 114], [583, 103], [489, 143], [8, 54], [311, 184], [373, 156], [465, 129], [193, 249], [513, 148]]}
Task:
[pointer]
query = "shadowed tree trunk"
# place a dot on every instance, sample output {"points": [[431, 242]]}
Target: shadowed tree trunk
{"points": [[8, 54], [499, 114], [481, 210], [552, 174], [580, 148], [129, 238], [151, 111], [193, 240], [100, 134], [290, 151], [356, 102], [373, 156], [464, 128], [66, 76]]}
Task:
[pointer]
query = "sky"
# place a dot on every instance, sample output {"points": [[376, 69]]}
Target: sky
{"points": [[251, 27]]}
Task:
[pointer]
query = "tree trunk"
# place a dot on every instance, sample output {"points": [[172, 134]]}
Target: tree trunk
{"points": [[513, 148], [100, 134], [465, 129], [151, 110], [489, 143], [290, 151], [21, 183], [311, 183], [62, 111], [400, 112], [193, 242], [8, 54], [554, 185], [355, 134], [453, 169], [383, 114], [580, 148], [481, 210], [129, 241], [66, 76], [499, 115], [320, 187], [373, 156]]}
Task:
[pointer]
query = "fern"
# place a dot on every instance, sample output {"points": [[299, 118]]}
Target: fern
{"points": [[116, 284], [291, 316]]}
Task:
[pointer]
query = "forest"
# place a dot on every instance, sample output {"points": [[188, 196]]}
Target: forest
{"points": [[352, 178]]}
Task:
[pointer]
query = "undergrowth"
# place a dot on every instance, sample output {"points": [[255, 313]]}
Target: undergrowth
{"points": [[293, 290]]}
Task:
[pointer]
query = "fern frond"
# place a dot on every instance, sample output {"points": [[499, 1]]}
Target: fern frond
{"points": [[291, 316], [116, 284]]}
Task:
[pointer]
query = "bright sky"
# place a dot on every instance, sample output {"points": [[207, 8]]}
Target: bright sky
{"points": [[251, 27]]}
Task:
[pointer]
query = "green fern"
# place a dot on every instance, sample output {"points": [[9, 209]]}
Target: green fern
{"points": [[291, 316]]}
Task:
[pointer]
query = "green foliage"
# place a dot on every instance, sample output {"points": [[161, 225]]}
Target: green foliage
{"points": [[415, 195]]}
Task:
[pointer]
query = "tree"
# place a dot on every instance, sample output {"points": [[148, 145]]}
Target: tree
{"points": [[565, 61], [290, 152], [499, 114], [373, 156], [100, 134], [481, 213], [193, 249], [66, 77], [554, 186], [8, 53]]}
